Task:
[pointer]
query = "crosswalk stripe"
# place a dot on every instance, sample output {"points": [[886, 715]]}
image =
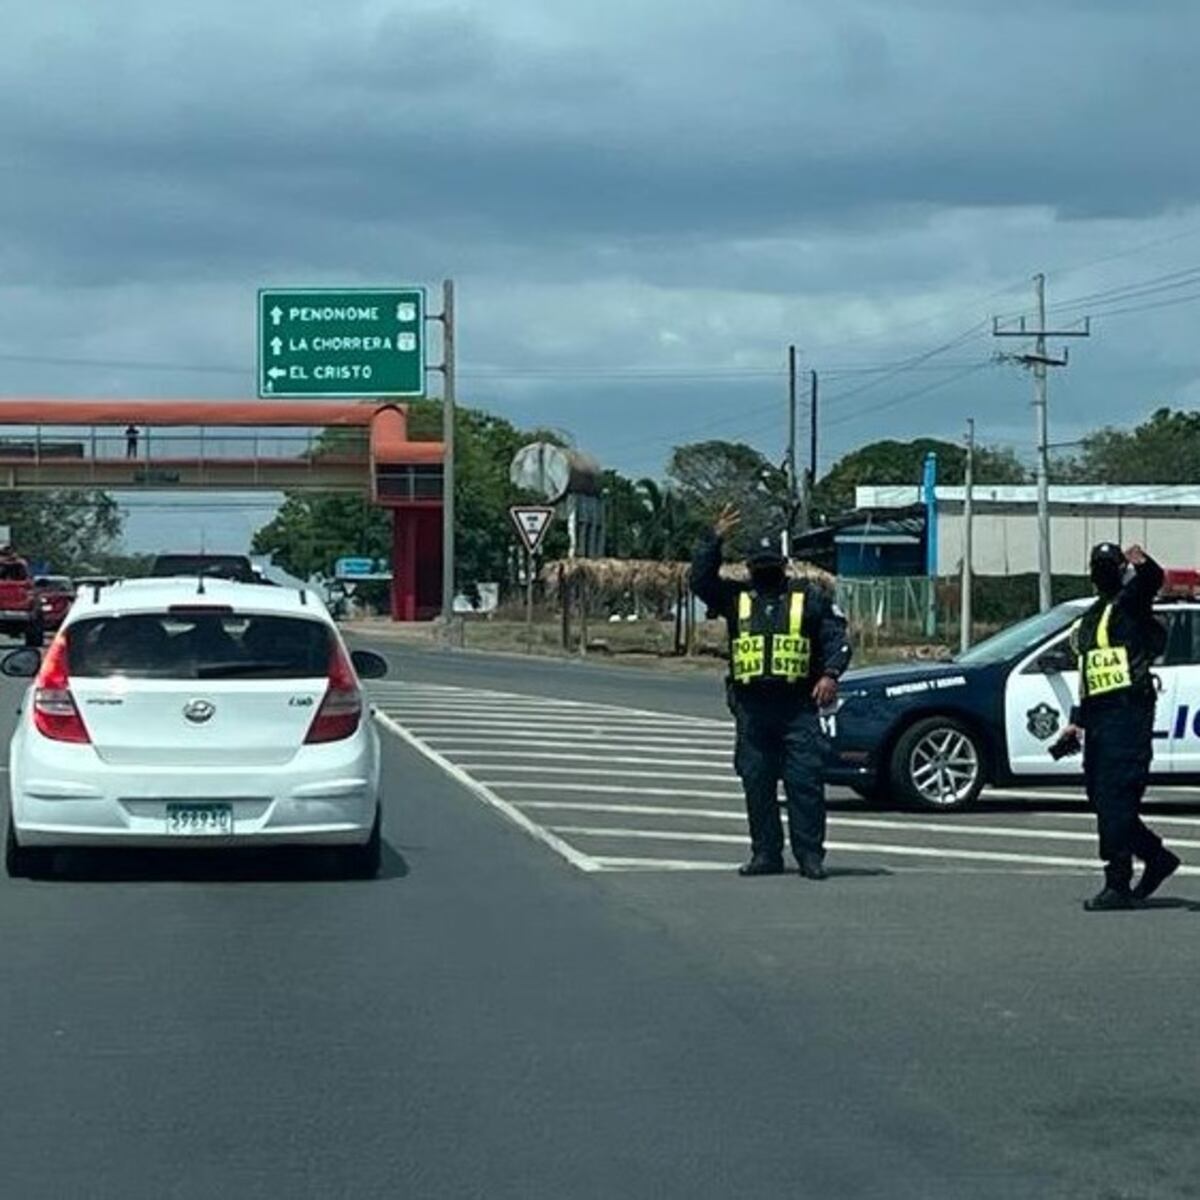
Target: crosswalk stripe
{"points": [[878, 848], [457, 745], [604, 773]]}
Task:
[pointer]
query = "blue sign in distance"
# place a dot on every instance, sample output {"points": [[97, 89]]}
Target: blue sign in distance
{"points": [[354, 568]]}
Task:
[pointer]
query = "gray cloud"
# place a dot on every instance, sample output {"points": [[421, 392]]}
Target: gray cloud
{"points": [[645, 182]]}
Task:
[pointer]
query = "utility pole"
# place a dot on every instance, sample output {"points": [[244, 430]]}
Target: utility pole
{"points": [[792, 481], [811, 480], [1039, 361], [964, 641], [448, 399]]}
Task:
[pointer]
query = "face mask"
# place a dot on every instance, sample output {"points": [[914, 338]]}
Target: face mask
{"points": [[767, 579], [1107, 577]]}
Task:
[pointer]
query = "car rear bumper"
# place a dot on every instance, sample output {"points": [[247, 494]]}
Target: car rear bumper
{"points": [[66, 796]]}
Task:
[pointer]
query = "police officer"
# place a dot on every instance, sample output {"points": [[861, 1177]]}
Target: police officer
{"points": [[1117, 641], [788, 645]]}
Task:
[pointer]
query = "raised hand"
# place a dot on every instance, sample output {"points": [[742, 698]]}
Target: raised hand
{"points": [[727, 521]]}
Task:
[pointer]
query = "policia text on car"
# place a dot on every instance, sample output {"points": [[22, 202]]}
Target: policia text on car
{"points": [[787, 647], [1117, 641]]}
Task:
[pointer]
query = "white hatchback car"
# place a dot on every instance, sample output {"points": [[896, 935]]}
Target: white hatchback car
{"points": [[186, 712]]}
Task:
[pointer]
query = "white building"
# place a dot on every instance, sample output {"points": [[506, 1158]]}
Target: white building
{"points": [[1165, 519]]}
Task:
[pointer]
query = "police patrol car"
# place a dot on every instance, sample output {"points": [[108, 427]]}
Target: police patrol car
{"points": [[933, 735]]}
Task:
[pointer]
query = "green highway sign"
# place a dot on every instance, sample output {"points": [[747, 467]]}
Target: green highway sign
{"points": [[341, 341]]}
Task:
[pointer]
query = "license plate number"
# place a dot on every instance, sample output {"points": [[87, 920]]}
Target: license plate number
{"points": [[199, 820]]}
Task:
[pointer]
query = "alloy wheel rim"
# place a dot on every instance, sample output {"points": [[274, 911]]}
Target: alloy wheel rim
{"points": [[944, 767]]}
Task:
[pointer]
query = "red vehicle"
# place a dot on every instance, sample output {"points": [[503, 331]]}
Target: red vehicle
{"points": [[55, 594], [20, 611]]}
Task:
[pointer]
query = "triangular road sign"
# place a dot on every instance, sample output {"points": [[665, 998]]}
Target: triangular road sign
{"points": [[532, 522]]}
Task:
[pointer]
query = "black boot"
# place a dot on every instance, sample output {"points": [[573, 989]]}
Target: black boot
{"points": [[1159, 869], [812, 866], [762, 864], [1110, 899]]}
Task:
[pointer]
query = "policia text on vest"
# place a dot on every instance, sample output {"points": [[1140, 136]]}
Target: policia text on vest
{"points": [[787, 647]]}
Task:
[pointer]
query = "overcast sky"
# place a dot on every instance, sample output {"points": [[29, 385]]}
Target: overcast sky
{"points": [[642, 201]]}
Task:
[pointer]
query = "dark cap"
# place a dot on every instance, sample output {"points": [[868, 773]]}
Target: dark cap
{"points": [[1108, 552], [766, 554]]}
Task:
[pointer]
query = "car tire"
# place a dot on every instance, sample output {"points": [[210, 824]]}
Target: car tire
{"points": [[938, 763], [25, 862], [364, 861]]}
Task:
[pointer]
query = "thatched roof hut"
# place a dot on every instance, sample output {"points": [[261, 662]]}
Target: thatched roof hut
{"points": [[649, 578]]}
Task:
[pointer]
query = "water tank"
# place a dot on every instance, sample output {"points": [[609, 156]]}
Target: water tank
{"points": [[555, 471]]}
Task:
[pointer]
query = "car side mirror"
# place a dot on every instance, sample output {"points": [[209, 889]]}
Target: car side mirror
{"points": [[368, 664], [21, 664], [1057, 659]]}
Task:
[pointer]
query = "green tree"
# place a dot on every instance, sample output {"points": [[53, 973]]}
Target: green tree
{"points": [[903, 462], [63, 528], [707, 475], [1163, 449], [312, 530]]}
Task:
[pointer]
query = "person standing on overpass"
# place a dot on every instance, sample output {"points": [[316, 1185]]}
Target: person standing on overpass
{"points": [[1117, 641], [131, 441], [788, 645]]}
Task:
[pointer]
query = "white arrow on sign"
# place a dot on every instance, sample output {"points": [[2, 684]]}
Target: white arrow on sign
{"points": [[276, 315], [276, 373], [532, 522], [277, 345]]}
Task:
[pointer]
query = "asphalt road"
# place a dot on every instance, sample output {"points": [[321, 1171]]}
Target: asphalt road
{"points": [[492, 1019]]}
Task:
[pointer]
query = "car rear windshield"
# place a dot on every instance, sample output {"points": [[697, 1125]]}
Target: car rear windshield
{"points": [[11, 572], [199, 646]]}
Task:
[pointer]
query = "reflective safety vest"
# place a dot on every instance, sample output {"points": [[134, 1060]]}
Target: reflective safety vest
{"points": [[1103, 668], [781, 653]]}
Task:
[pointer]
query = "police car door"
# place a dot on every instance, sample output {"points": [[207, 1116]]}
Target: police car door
{"points": [[1038, 697], [1177, 729], [1042, 689]]}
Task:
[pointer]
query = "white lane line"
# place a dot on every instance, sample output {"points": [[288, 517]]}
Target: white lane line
{"points": [[1150, 818], [470, 694], [883, 849], [576, 757], [526, 711], [605, 773], [482, 792], [668, 732], [589, 736], [615, 863], [612, 789], [1016, 833], [458, 744]]}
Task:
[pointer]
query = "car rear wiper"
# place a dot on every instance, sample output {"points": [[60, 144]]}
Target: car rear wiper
{"points": [[229, 670]]}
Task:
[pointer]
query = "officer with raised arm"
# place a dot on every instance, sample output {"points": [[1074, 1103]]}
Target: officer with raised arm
{"points": [[1117, 641], [787, 647]]}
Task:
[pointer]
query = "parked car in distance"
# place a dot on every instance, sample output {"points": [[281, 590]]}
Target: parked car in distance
{"points": [[20, 613], [215, 566], [55, 594]]}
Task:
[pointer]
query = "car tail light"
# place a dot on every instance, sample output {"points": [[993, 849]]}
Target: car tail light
{"points": [[54, 713], [342, 709]]}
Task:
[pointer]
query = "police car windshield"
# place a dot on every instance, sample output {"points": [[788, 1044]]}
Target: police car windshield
{"points": [[1011, 642]]}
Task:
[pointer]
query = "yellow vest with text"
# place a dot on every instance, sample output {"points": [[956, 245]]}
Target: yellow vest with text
{"points": [[1104, 668], [767, 646]]}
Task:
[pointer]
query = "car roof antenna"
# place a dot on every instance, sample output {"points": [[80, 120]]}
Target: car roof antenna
{"points": [[303, 596], [200, 586], [95, 593]]}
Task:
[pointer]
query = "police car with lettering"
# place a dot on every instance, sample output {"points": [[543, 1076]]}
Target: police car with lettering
{"points": [[933, 735]]}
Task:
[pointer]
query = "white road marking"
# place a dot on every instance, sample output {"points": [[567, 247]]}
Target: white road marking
{"points": [[613, 863], [580, 736], [611, 789], [604, 773], [458, 744], [573, 757], [879, 848], [538, 832]]}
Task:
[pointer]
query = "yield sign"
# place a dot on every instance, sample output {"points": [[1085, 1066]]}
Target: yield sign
{"points": [[532, 522]]}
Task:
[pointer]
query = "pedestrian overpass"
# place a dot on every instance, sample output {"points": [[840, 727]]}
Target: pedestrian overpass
{"points": [[218, 446]]}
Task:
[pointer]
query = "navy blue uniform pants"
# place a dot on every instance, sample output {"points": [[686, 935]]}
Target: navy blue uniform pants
{"points": [[780, 740], [1117, 749]]}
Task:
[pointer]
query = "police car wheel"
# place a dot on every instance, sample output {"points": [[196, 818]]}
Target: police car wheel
{"points": [[938, 763]]}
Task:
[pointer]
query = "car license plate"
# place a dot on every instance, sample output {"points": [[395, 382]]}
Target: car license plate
{"points": [[199, 820]]}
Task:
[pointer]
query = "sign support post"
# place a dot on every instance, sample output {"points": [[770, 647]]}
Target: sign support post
{"points": [[533, 523]]}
